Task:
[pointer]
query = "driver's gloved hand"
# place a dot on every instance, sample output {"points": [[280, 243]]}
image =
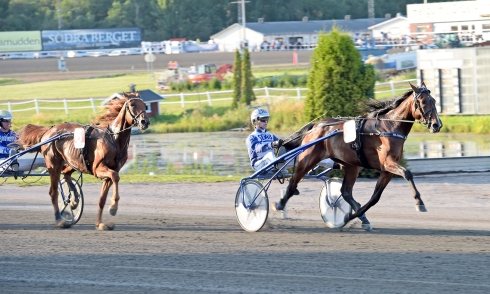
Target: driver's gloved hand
{"points": [[277, 144]]}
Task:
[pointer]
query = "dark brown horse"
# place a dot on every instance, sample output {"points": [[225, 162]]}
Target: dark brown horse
{"points": [[381, 136], [105, 152]]}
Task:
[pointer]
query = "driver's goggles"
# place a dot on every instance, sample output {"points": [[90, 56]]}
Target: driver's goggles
{"points": [[264, 119]]}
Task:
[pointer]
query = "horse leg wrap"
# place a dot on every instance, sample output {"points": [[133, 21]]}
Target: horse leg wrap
{"points": [[57, 216]]}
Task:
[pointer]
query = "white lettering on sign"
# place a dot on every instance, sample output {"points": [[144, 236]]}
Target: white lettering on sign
{"points": [[110, 37]]}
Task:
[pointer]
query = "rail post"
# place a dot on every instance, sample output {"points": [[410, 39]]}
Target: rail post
{"points": [[36, 105], [267, 93], [65, 103], [299, 93], [92, 102], [9, 105], [182, 99], [392, 85], [209, 98]]}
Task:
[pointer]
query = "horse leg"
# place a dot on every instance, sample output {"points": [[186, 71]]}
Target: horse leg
{"points": [[397, 169], [115, 195], [106, 184], [350, 177], [54, 174], [383, 181], [111, 177], [73, 193], [304, 165]]}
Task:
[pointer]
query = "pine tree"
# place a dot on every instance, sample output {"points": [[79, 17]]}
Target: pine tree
{"points": [[247, 83], [338, 79], [237, 79]]}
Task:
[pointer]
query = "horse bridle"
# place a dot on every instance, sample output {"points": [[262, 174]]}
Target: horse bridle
{"points": [[134, 117], [425, 116]]}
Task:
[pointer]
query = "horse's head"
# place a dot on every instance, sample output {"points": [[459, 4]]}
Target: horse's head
{"points": [[136, 111], [424, 108]]}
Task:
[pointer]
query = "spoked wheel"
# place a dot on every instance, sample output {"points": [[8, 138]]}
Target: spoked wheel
{"points": [[251, 215], [335, 209], [70, 202]]}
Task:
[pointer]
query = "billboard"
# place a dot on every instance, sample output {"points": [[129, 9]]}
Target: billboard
{"points": [[20, 41], [91, 39]]}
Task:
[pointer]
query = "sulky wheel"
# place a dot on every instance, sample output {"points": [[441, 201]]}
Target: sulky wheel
{"points": [[70, 201], [251, 215], [335, 210]]}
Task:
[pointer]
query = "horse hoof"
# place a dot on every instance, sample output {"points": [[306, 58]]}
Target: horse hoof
{"points": [[105, 227], [112, 211], [420, 208], [62, 224], [348, 222], [74, 204], [367, 227], [277, 206]]}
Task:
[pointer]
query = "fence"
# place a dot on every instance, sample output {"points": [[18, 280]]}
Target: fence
{"points": [[183, 100]]}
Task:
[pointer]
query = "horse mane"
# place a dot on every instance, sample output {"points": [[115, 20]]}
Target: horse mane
{"points": [[113, 107], [375, 107]]}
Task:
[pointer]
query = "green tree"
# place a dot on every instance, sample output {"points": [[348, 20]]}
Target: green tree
{"points": [[237, 79], [338, 79], [247, 93]]}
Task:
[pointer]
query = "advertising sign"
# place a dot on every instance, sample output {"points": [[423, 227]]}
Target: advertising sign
{"points": [[20, 41], [91, 39]]}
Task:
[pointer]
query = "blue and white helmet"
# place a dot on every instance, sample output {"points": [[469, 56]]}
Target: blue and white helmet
{"points": [[257, 114], [5, 115]]}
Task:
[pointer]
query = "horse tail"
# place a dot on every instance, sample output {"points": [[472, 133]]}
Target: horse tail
{"points": [[295, 139], [31, 135]]}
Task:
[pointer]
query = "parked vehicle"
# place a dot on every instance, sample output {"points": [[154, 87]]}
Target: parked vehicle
{"points": [[72, 54], [119, 53], [97, 53], [206, 72]]}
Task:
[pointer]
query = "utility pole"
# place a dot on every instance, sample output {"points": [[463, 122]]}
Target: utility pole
{"points": [[59, 15], [61, 61], [241, 14], [371, 11]]}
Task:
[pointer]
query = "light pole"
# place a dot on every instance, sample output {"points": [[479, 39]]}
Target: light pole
{"points": [[61, 61], [241, 7]]}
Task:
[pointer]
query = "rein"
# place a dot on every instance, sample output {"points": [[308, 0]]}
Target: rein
{"points": [[134, 117]]}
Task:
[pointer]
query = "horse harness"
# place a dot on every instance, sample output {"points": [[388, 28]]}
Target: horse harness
{"points": [[88, 131], [357, 144]]}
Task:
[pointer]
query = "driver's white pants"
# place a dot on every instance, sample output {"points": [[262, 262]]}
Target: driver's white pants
{"points": [[327, 163], [267, 159]]}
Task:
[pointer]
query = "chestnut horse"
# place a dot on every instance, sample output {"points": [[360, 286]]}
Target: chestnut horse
{"points": [[105, 152], [381, 135]]}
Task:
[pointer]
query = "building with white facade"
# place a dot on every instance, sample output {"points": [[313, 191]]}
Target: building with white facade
{"points": [[443, 21], [287, 34]]}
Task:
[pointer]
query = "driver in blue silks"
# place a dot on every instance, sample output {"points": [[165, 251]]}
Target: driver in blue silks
{"points": [[260, 143], [7, 136]]}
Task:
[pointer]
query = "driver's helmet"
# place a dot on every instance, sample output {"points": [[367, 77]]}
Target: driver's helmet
{"points": [[5, 115], [257, 114]]}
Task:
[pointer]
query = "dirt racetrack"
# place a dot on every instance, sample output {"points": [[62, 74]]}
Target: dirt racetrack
{"points": [[36, 70], [184, 238]]}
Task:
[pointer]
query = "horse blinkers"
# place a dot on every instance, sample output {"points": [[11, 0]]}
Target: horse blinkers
{"points": [[429, 116], [141, 118]]}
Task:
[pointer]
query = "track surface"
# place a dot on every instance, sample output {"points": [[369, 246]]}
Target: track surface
{"points": [[184, 238], [136, 63]]}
